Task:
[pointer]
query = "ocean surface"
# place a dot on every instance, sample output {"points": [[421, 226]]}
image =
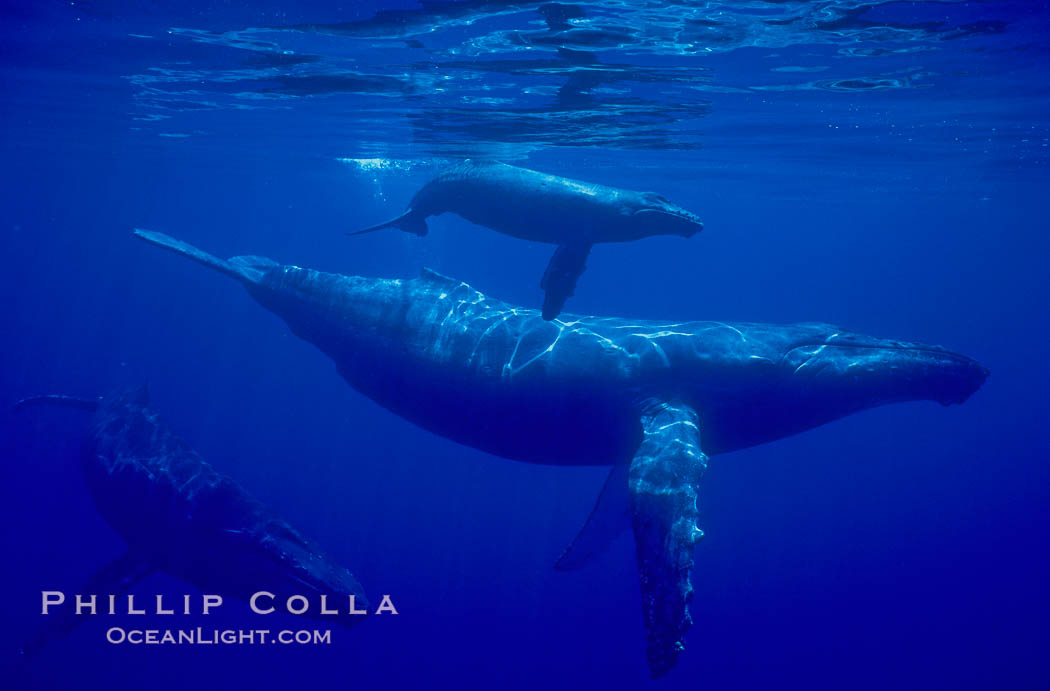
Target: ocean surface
{"points": [[880, 165]]}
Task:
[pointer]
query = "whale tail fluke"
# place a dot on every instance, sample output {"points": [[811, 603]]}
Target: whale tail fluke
{"points": [[244, 269], [409, 222]]}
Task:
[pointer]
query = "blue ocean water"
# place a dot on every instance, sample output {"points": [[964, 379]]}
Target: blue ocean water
{"points": [[878, 165]]}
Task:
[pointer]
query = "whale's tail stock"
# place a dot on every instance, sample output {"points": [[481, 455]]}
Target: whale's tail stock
{"points": [[248, 269], [409, 222]]}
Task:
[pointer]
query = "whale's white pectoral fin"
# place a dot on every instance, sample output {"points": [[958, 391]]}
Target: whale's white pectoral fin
{"points": [[608, 519], [663, 482], [559, 280]]}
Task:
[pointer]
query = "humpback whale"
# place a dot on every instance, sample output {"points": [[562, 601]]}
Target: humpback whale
{"points": [[536, 206], [651, 399], [178, 515]]}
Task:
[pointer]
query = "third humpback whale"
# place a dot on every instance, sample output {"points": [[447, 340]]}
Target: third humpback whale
{"points": [[527, 204], [651, 399], [178, 515]]}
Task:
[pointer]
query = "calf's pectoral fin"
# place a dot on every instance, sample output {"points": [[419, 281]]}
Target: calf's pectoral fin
{"points": [[115, 578], [607, 520], [559, 280], [663, 483], [409, 222]]}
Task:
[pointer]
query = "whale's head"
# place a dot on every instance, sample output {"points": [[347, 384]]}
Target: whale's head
{"points": [[285, 564], [860, 371], [208, 531], [774, 381], [653, 214], [237, 548]]}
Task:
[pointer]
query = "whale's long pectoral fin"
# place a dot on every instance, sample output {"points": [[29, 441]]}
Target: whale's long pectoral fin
{"points": [[607, 520], [663, 481], [115, 578], [559, 280], [58, 400]]}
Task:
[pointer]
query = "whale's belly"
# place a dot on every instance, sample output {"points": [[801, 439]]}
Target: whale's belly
{"points": [[545, 425]]}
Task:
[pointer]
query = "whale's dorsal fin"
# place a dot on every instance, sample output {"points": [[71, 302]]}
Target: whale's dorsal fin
{"points": [[429, 274], [135, 397], [432, 276], [607, 520], [663, 483]]}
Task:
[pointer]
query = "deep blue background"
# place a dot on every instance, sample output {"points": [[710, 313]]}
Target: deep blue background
{"points": [[904, 547]]}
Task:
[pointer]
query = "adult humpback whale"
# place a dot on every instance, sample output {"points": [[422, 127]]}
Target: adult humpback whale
{"points": [[651, 399], [536, 206], [178, 515]]}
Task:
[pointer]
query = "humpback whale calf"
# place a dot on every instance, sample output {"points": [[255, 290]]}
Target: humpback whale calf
{"points": [[178, 515], [651, 399], [535, 206]]}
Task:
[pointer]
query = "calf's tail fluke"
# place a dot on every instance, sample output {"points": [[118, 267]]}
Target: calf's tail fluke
{"points": [[410, 222], [244, 269]]}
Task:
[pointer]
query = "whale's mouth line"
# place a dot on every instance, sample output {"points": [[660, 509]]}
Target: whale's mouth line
{"points": [[675, 221], [872, 346], [679, 215]]}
